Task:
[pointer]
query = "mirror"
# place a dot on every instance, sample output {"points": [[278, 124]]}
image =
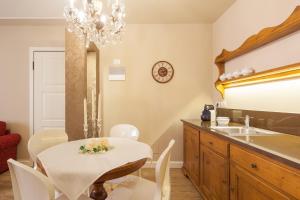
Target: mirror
{"points": [[92, 92], [82, 80]]}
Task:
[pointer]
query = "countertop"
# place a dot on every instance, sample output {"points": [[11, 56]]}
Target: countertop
{"points": [[281, 147]]}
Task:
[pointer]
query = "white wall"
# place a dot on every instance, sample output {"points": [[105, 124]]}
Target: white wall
{"points": [[156, 109], [14, 73], [243, 19]]}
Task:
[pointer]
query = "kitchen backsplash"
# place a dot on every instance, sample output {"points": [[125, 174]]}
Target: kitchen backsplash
{"points": [[274, 121]]}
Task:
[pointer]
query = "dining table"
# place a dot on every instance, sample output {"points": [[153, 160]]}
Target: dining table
{"points": [[73, 172]]}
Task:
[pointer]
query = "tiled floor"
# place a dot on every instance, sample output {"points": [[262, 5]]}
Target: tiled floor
{"points": [[182, 188]]}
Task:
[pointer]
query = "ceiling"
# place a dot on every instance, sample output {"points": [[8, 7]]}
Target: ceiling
{"points": [[137, 11]]}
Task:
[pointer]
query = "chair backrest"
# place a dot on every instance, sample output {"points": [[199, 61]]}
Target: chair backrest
{"points": [[125, 131], [162, 174], [43, 140], [29, 184]]}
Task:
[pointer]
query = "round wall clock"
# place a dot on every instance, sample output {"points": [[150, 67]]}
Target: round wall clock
{"points": [[162, 71]]}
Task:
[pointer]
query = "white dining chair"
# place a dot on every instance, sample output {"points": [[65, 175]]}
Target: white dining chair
{"points": [[44, 140], [125, 131], [136, 188], [30, 184]]}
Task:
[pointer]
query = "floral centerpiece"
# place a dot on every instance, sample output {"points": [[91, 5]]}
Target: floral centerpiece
{"points": [[95, 145]]}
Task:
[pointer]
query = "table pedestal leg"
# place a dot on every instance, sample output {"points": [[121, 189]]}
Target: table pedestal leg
{"points": [[98, 192]]}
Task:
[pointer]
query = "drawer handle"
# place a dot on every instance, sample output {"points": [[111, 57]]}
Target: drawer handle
{"points": [[253, 165], [211, 143]]}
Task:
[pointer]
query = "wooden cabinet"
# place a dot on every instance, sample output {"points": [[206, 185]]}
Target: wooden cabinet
{"points": [[217, 144], [223, 170], [214, 167], [214, 174], [207, 165], [191, 154], [246, 186], [268, 178]]}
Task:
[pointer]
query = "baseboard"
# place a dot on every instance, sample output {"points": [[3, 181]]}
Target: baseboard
{"points": [[173, 164]]}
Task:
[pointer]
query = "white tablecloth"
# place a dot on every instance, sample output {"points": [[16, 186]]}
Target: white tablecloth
{"points": [[72, 173]]}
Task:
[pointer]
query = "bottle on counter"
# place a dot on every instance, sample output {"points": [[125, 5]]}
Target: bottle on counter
{"points": [[212, 115]]}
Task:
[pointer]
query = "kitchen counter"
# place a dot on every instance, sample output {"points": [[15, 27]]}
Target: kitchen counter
{"points": [[281, 147]]}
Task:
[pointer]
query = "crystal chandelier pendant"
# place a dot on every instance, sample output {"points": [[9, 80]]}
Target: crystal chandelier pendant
{"points": [[98, 21]]}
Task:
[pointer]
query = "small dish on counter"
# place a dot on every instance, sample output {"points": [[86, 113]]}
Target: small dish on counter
{"points": [[223, 121]]}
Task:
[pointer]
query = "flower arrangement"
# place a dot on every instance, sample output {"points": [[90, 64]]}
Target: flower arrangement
{"points": [[94, 145]]}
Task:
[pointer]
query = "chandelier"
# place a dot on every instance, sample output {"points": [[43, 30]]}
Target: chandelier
{"points": [[96, 21]]}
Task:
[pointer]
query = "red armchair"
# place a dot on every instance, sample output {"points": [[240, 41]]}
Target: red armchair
{"points": [[8, 146]]}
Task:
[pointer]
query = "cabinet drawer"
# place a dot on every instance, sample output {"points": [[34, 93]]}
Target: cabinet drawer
{"points": [[281, 177], [216, 144]]}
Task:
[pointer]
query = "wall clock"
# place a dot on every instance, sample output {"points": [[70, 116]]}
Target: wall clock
{"points": [[162, 71]]}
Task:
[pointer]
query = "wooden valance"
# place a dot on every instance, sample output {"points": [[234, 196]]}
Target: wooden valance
{"points": [[265, 36]]}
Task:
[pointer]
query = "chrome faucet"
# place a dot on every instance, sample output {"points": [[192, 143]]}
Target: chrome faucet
{"points": [[247, 121]]}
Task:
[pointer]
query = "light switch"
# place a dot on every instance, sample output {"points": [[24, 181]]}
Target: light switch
{"points": [[116, 73]]}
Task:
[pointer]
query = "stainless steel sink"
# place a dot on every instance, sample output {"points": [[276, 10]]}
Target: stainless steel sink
{"points": [[243, 131]]}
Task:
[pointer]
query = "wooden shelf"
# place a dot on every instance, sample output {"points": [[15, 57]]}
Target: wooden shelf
{"points": [[265, 36], [280, 73]]}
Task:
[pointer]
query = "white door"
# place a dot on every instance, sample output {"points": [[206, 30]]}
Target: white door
{"points": [[49, 91]]}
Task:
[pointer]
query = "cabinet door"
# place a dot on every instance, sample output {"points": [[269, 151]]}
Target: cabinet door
{"points": [[245, 186], [214, 174], [191, 154], [186, 153]]}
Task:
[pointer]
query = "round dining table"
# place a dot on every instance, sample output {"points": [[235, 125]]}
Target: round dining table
{"points": [[72, 172]]}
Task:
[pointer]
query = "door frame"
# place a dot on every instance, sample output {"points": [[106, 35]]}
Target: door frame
{"points": [[31, 80]]}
